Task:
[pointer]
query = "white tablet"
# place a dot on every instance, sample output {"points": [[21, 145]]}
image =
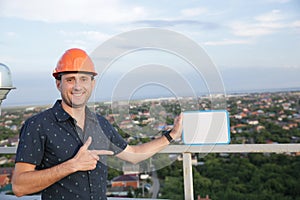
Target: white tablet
{"points": [[206, 127]]}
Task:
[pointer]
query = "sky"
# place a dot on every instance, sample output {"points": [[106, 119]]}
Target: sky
{"points": [[253, 44]]}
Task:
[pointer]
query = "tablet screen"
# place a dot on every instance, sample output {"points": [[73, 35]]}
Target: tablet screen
{"points": [[206, 127]]}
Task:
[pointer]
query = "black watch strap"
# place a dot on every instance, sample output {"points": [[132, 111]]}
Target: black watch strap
{"points": [[166, 133]]}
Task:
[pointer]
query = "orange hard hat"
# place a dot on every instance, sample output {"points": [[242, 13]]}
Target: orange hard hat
{"points": [[74, 60]]}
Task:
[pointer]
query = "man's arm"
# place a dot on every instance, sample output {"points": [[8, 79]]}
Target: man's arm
{"points": [[138, 153], [27, 180]]}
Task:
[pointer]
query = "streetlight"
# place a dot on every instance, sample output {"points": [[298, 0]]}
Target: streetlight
{"points": [[5, 82]]}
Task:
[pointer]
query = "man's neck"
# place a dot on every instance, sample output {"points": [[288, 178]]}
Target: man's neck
{"points": [[76, 113]]}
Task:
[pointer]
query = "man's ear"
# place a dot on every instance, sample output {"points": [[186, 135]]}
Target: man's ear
{"points": [[93, 83], [58, 82]]}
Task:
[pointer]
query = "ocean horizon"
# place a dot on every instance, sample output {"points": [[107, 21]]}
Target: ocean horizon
{"points": [[9, 104]]}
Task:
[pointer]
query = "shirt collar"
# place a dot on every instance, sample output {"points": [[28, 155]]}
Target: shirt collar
{"points": [[61, 115]]}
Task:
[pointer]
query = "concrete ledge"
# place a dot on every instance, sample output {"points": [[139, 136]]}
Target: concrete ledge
{"points": [[233, 148], [229, 148]]}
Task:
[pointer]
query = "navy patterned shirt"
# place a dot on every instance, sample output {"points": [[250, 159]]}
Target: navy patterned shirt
{"points": [[52, 137]]}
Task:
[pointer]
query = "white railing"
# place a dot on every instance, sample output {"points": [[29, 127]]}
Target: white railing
{"points": [[187, 151]]}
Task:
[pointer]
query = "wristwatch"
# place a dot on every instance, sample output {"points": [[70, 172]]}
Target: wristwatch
{"points": [[166, 133]]}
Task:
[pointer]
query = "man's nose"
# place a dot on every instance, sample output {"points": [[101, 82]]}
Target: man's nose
{"points": [[77, 84]]}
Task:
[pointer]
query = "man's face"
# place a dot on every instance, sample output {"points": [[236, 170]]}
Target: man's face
{"points": [[75, 88]]}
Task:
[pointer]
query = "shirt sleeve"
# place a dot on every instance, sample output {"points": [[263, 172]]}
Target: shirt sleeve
{"points": [[30, 148]]}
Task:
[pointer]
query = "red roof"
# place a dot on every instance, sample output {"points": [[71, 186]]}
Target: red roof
{"points": [[4, 180], [125, 178]]}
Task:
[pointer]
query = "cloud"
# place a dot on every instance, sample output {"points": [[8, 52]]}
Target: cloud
{"points": [[11, 34], [227, 42], [295, 24], [175, 22], [192, 12], [76, 43], [89, 35], [85, 11], [261, 25], [83, 39], [272, 16], [278, 1], [5, 59], [249, 30]]}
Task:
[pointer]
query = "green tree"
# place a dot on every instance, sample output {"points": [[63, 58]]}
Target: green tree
{"points": [[173, 188]]}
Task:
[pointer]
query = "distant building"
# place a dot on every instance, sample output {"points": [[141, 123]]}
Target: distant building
{"points": [[126, 181], [4, 180], [200, 198], [253, 122], [130, 169]]}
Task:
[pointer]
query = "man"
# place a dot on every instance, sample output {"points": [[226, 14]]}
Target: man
{"points": [[62, 150]]}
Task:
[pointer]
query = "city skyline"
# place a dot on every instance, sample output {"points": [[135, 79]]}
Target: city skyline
{"points": [[254, 45]]}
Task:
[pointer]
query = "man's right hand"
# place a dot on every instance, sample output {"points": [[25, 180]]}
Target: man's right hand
{"points": [[87, 159], [28, 180]]}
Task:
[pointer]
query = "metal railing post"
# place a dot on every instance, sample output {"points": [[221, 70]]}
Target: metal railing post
{"points": [[188, 176]]}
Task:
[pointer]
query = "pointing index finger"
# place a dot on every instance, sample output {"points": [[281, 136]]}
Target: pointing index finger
{"points": [[103, 152]]}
